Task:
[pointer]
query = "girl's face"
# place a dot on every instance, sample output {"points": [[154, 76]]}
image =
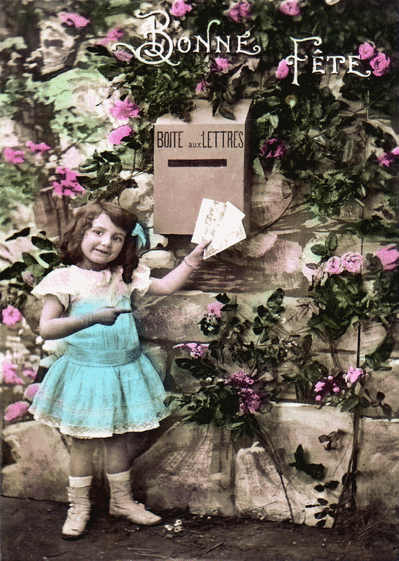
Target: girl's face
{"points": [[101, 244]]}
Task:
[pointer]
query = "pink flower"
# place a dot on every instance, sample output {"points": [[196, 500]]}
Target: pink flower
{"points": [[201, 86], [380, 64], [28, 278], [31, 391], [198, 350], [29, 373], [240, 11], [273, 148], [352, 262], [334, 266], [74, 20], [180, 8], [119, 134], [240, 379], [250, 401], [38, 148], [389, 257], [9, 373], [112, 36], [325, 387], [353, 375], [11, 315], [290, 8], [366, 51], [387, 158], [16, 410], [14, 156], [125, 110], [123, 56], [68, 185], [215, 309], [220, 64], [282, 70]]}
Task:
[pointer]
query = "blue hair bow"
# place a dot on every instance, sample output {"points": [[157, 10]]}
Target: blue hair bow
{"points": [[141, 237]]}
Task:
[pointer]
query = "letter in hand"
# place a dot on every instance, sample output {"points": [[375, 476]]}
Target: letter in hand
{"points": [[108, 315]]}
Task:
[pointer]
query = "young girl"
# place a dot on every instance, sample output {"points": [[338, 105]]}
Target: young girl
{"points": [[103, 387]]}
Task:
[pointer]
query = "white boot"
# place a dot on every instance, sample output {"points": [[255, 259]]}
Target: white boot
{"points": [[122, 503], [79, 508]]}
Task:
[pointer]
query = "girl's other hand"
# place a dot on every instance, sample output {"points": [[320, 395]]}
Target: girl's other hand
{"points": [[108, 315]]}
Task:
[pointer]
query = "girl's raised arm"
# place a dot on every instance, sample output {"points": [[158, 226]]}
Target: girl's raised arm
{"points": [[174, 280], [53, 324]]}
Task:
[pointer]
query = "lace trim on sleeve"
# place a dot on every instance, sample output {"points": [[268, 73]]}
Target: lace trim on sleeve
{"points": [[57, 283]]}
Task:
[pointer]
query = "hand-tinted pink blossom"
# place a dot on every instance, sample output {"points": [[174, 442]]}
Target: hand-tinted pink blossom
{"points": [[197, 350], [11, 315], [334, 265], [353, 375], [31, 391], [119, 134], [112, 36], [389, 257], [16, 410], [386, 159], [74, 20], [180, 8], [380, 64], [239, 11], [215, 309], [38, 148], [290, 8], [326, 386], [68, 184], [9, 373], [28, 278], [273, 148], [123, 56], [14, 156], [283, 70], [240, 379], [395, 152], [30, 373], [125, 110], [201, 86], [366, 51], [220, 64], [250, 401], [352, 262]]}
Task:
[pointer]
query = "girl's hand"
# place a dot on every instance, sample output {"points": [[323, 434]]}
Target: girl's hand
{"points": [[197, 255], [108, 315]]}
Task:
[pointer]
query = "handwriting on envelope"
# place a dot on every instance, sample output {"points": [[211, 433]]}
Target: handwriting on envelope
{"points": [[219, 222]]}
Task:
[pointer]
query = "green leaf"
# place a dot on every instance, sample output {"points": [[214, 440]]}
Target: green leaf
{"points": [[42, 243], [21, 234], [49, 257], [223, 298], [319, 249], [387, 410]]}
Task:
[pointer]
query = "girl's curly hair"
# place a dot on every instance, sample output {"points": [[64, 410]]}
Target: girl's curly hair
{"points": [[70, 247]]}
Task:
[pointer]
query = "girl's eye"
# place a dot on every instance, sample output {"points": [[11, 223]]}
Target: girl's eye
{"points": [[98, 232], [118, 239]]}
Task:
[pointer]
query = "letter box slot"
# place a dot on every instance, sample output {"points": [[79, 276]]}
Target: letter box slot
{"points": [[214, 163]]}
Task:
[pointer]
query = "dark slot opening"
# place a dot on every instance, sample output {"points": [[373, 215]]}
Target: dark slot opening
{"points": [[203, 163]]}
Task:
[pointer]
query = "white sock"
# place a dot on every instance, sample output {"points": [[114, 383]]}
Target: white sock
{"points": [[122, 476], [80, 481]]}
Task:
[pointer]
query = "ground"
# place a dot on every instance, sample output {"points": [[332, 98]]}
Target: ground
{"points": [[31, 532]]}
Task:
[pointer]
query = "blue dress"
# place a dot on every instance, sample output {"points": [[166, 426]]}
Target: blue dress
{"points": [[103, 384]]}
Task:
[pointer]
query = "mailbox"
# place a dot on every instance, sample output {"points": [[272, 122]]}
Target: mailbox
{"points": [[207, 157]]}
